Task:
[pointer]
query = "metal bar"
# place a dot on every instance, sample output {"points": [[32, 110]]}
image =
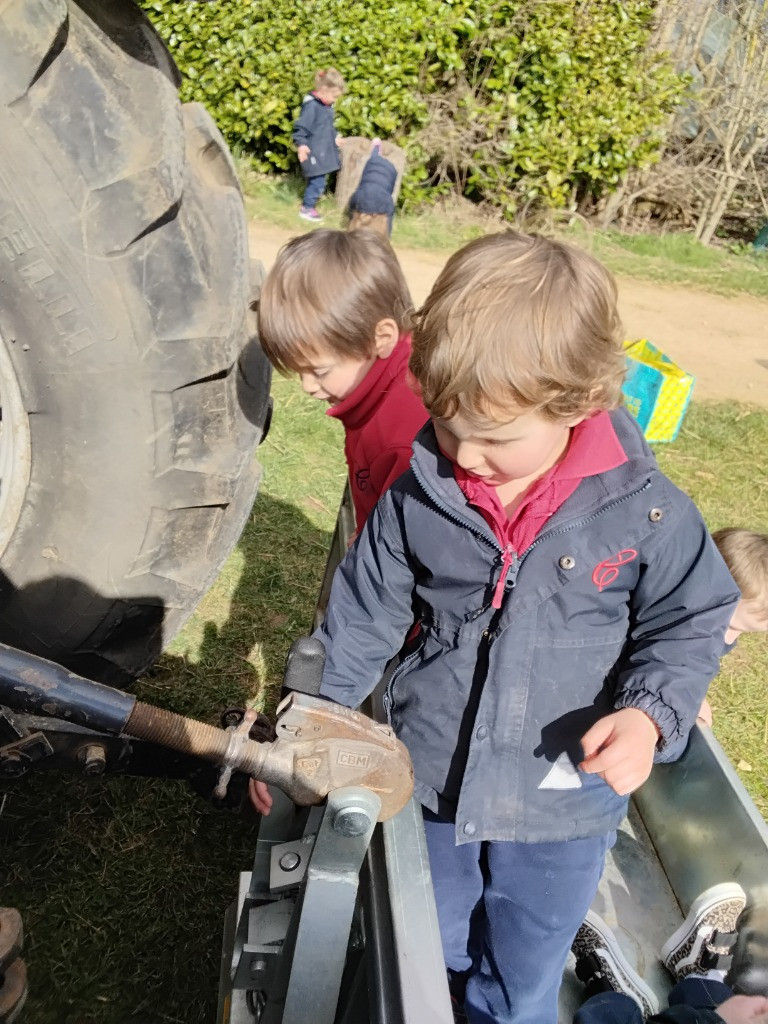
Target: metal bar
{"points": [[703, 823], [327, 906], [37, 686], [385, 1000], [417, 947]]}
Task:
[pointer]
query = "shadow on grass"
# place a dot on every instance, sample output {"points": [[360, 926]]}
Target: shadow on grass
{"points": [[123, 883], [274, 600]]}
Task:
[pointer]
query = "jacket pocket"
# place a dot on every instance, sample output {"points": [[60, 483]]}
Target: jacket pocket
{"points": [[407, 662]]}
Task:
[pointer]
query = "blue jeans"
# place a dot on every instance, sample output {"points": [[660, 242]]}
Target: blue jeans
{"points": [[508, 913], [616, 1008], [313, 191]]}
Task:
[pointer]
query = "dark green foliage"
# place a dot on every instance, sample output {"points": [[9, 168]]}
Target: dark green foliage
{"points": [[507, 101]]}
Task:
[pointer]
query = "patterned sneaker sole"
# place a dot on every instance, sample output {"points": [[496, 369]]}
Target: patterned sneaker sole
{"points": [[716, 909], [596, 937]]}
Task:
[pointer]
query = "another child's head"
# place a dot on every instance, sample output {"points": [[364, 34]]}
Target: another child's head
{"points": [[333, 303], [518, 342], [378, 222], [329, 85], [746, 555]]}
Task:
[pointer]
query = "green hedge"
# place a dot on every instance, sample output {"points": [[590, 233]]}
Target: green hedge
{"points": [[502, 101]]}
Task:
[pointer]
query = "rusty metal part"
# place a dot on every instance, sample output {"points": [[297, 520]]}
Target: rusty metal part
{"points": [[325, 746], [13, 991], [93, 758], [11, 935], [319, 747], [219, 746], [13, 971], [243, 728]]}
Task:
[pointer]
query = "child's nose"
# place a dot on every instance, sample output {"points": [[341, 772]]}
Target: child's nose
{"points": [[468, 456], [308, 383]]}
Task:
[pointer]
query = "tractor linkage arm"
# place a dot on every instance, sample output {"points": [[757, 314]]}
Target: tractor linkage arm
{"points": [[50, 716]]}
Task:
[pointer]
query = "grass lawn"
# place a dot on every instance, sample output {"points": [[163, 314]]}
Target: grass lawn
{"points": [[674, 258], [123, 883]]}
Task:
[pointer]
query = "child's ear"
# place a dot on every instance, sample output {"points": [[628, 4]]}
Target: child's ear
{"points": [[385, 337]]}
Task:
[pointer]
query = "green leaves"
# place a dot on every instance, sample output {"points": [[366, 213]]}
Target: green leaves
{"points": [[507, 101]]}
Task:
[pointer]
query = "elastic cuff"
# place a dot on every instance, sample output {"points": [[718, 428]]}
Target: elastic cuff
{"points": [[665, 717]]}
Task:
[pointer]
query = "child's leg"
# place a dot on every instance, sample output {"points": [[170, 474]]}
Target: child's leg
{"points": [[535, 899], [313, 191], [457, 881], [609, 1008], [701, 993]]}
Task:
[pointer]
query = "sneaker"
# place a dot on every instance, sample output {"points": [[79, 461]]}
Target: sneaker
{"points": [[705, 940], [602, 967], [309, 213]]}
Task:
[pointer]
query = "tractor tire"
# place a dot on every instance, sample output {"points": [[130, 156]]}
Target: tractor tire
{"points": [[133, 391]]}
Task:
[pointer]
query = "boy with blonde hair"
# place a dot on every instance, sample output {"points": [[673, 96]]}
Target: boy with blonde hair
{"points": [[572, 609], [746, 555], [335, 309]]}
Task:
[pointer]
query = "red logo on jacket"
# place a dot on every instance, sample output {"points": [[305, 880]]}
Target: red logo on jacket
{"points": [[606, 572]]}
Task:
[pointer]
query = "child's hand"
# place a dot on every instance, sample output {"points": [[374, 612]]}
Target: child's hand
{"points": [[743, 1009], [619, 748], [704, 716], [303, 153], [339, 140], [260, 797]]}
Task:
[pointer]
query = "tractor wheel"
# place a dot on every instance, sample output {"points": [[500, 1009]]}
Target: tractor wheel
{"points": [[133, 394]]}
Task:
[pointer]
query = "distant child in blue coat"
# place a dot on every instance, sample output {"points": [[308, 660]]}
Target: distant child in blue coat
{"points": [[316, 141], [572, 607], [372, 204]]}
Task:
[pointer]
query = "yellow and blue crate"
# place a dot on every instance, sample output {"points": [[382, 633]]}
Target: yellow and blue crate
{"points": [[656, 390]]}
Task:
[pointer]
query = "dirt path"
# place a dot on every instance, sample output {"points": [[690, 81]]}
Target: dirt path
{"points": [[723, 341]]}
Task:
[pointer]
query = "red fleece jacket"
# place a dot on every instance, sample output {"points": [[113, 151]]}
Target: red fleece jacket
{"points": [[381, 418]]}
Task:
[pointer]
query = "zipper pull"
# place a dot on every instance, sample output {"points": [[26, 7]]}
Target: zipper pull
{"points": [[508, 561]]}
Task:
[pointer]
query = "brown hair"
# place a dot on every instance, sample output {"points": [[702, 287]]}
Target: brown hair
{"points": [[330, 79], [746, 555], [330, 288], [378, 222], [519, 323]]}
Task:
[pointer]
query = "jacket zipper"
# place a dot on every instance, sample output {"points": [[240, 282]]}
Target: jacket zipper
{"points": [[510, 560]]}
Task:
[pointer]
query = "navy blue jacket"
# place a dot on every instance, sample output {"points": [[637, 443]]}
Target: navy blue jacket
{"points": [[315, 128], [377, 183], [492, 704]]}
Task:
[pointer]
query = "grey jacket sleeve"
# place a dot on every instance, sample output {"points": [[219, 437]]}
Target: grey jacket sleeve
{"points": [[304, 124], [681, 608], [370, 608]]}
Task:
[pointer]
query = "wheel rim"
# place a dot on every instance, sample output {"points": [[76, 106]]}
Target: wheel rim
{"points": [[15, 448]]}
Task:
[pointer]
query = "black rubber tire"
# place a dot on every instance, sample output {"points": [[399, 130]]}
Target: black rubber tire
{"points": [[124, 293]]}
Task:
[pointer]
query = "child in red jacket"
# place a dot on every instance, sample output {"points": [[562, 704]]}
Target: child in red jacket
{"points": [[335, 309]]}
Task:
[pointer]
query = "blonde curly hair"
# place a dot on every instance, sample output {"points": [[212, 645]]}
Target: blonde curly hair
{"points": [[519, 323]]}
